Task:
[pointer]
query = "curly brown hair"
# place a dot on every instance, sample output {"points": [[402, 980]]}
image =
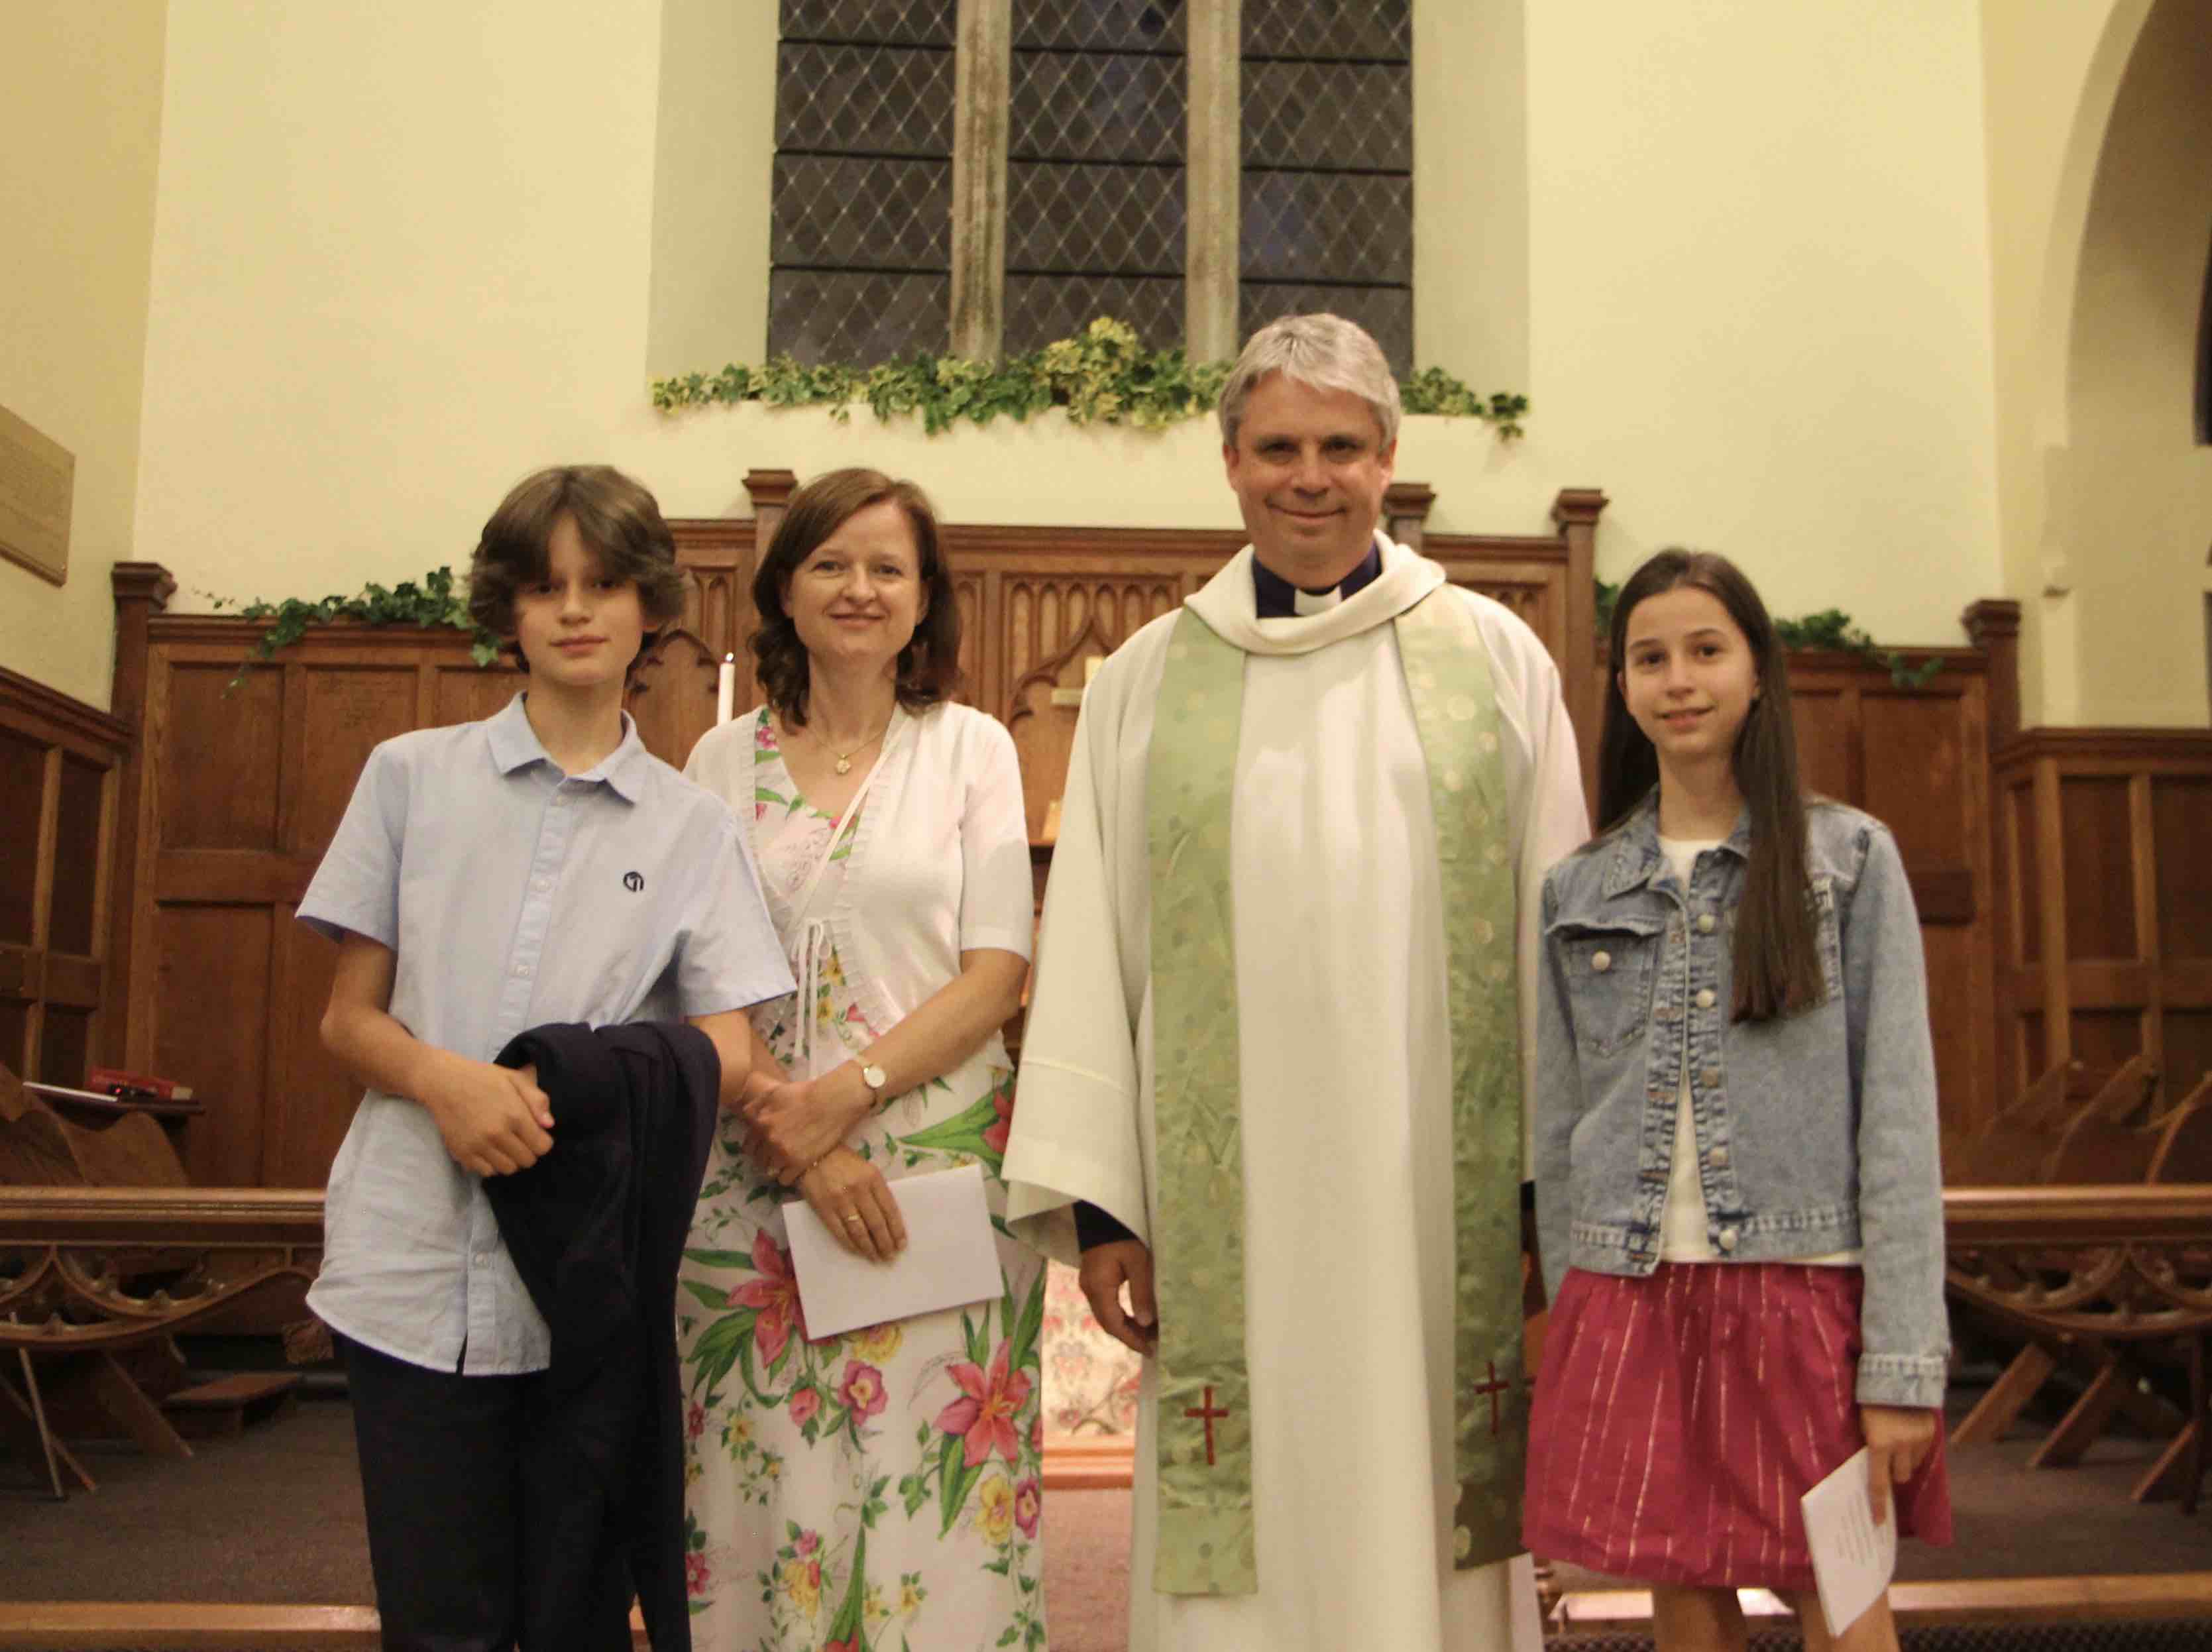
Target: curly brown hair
{"points": [[929, 664], [616, 517]]}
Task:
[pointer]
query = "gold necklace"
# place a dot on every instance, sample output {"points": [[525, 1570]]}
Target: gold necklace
{"points": [[845, 758]]}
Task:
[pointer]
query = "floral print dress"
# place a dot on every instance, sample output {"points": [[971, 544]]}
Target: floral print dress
{"points": [[880, 1490]]}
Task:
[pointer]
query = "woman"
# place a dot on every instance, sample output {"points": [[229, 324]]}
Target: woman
{"points": [[880, 1488]]}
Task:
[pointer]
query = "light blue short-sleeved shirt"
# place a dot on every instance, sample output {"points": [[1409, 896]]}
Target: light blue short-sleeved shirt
{"points": [[513, 896]]}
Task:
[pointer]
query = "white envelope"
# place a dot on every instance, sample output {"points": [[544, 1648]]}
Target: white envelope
{"points": [[950, 1258], [1853, 1558]]}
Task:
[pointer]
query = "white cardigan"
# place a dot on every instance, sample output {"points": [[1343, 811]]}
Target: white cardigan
{"points": [[940, 861]]}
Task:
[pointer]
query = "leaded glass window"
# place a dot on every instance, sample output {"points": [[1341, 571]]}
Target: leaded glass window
{"points": [[860, 246], [1095, 144], [1326, 213]]}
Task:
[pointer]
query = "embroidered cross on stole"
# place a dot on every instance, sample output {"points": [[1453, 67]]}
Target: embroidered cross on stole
{"points": [[1204, 1444]]}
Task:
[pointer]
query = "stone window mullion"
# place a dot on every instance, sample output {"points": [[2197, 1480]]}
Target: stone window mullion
{"points": [[983, 78], [1214, 180]]}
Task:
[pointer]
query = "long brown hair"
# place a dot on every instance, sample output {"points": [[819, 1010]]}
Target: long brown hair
{"points": [[1777, 957], [929, 664]]}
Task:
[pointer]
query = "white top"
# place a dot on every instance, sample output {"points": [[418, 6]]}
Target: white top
{"points": [[1683, 1225], [1339, 937], [940, 860]]}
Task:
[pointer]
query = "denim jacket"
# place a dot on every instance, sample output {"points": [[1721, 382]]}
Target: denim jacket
{"points": [[1816, 1132]]}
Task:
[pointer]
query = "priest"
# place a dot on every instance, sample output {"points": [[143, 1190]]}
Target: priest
{"points": [[1272, 1086]]}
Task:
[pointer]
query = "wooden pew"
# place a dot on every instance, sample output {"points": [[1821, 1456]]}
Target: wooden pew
{"points": [[103, 1337], [2108, 1309], [2105, 1146], [2017, 1147]]}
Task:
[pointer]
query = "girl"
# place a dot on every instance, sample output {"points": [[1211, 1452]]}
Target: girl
{"points": [[1740, 1207]]}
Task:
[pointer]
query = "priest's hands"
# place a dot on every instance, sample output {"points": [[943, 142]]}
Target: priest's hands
{"points": [[1105, 1269], [1899, 1439], [794, 1124], [854, 1203]]}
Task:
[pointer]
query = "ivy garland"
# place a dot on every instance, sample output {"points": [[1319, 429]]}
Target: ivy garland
{"points": [[435, 601], [1830, 629], [1102, 374]]}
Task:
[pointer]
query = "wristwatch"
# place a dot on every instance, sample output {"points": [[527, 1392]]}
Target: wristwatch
{"points": [[875, 1078]]}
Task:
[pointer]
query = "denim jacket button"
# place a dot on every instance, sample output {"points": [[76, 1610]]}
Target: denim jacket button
{"points": [[1601, 962], [1705, 1000], [1727, 1238], [1705, 923]]}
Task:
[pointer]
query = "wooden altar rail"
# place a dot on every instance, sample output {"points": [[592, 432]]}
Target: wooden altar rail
{"points": [[1979, 1218], [193, 1626], [187, 1218], [1974, 1219]]}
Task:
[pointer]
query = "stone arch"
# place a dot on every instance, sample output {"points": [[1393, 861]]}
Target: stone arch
{"points": [[2129, 487]]}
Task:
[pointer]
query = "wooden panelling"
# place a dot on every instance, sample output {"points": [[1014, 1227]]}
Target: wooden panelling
{"points": [[2022, 843], [207, 1022], [59, 764], [302, 1132], [2180, 811], [73, 917], [460, 692], [334, 717], [2092, 825], [1824, 746], [219, 746], [1917, 759], [2187, 1037], [23, 804], [2109, 889]]}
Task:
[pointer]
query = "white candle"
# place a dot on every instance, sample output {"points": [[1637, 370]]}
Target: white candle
{"points": [[726, 690]]}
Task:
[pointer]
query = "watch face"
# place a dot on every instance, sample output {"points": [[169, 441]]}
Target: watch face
{"points": [[872, 1077]]}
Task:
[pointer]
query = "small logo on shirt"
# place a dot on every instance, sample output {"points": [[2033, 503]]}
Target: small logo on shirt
{"points": [[633, 881]]}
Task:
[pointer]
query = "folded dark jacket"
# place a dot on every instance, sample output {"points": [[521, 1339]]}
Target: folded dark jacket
{"points": [[597, 1227]]}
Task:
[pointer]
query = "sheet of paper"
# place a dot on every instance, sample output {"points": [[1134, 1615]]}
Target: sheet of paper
{"points": [[950, 1258], [1853, 1558]]}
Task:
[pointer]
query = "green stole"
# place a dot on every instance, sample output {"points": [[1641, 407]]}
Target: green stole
{"points": [[1204, 1438]]}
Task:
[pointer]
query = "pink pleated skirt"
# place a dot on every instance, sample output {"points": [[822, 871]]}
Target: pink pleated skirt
{"points": [[1678, 1418]]}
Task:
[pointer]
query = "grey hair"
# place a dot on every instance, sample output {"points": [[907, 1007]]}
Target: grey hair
{"points": [[1326, 352]]}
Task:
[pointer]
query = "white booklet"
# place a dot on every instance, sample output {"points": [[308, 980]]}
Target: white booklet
{"points": [[951, 1257], [1853, 1558]]}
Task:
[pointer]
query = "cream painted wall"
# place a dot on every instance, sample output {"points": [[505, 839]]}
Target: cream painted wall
{"points": [[1471, 190], [399, 262], [1759, 292], [80, 129]]}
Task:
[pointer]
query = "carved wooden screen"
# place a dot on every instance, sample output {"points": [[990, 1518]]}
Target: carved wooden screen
{"points": [[238, 791]]}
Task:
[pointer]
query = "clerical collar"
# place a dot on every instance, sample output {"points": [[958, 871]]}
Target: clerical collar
{"points": [[1278, 599]]}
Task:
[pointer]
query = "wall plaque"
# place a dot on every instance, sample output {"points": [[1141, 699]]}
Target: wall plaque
{"points": [[38, 478]]}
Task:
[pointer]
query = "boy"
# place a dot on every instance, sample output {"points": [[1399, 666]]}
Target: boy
{"points": [[539, 866]]}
